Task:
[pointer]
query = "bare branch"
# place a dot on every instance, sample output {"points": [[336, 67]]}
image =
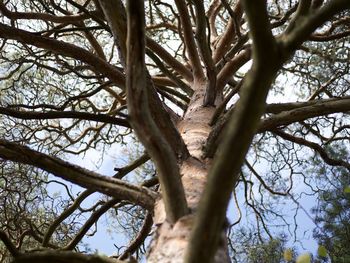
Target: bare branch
{"points": [[77, 175], [157, 109], [169, 74], [42, 16], [121, 172], [8, 244], [169, 59], [115, 15], [203, 42], [141, 120], [231, 67], [303, 110], [55, 256], [314, 146], [294, 37], [35, 115], [88, 224], [140, 238], [231, 31], [189, 39], [65, 214], [65, 49]]}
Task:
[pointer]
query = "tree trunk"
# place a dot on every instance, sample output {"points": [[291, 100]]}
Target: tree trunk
{"points": [[170, 241]]}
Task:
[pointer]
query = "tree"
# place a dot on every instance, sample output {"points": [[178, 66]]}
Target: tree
{"points": [[332, 214], [251, 249], [81, 75], [271, 251]]}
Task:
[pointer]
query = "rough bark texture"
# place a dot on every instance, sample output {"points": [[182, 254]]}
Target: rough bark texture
{"points": [[170, 241]]}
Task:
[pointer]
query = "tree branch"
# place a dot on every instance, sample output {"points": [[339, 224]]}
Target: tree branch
{"points": [[65, 214], [8, 244], [141, 119], [34, 115], [169, 59], [157, 109], [231, 68], [294, 37], [121, 172], [115, 15], [182, 85], [189, 39], [78, 175], [56, 256], [303, 110], [65, 49], [317, 148], [92, 220], [204, 46], [231, 31], [41, 16], [140, 238]]}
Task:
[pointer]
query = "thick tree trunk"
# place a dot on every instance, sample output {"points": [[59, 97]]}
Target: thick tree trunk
{"points": [[170, 241]]}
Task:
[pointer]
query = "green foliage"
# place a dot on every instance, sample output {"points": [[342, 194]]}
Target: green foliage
{"points": [[304, 258], [347, 190], [322, 251], [271, 251], [333, 215]]}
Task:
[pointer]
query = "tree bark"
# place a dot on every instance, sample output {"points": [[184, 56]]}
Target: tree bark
{"points": [[170, 241]]}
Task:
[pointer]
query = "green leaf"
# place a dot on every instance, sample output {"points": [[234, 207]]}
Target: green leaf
{"points": [[347, 189], [304, 258], [322, 251]]}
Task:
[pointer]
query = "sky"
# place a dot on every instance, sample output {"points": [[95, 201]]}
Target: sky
{"points": [[103, 242]]}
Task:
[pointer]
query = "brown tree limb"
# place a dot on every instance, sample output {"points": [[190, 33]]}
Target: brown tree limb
{"points": [[169, 59], [141, 119], [284, 114], [88, 224], [140, 238], [114, 12], [329, 37], [8, 244], [302, 11], [55, 256], [65, 214], [304, 110], [231, 31], [179, 83], [204, 46], [189, 39], [157, 109], [231, 67], [41, 16], [35, 115], [276, 108], [115, 15], [212, 13], [295, 36], [121, 172], [78, 175], [314, 146], [65, 49]]}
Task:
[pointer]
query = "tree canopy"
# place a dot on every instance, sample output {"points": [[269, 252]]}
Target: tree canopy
{"points": [[191, 108]]}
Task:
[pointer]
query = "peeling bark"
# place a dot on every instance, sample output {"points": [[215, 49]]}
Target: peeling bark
{"points": [[171, 241]]}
